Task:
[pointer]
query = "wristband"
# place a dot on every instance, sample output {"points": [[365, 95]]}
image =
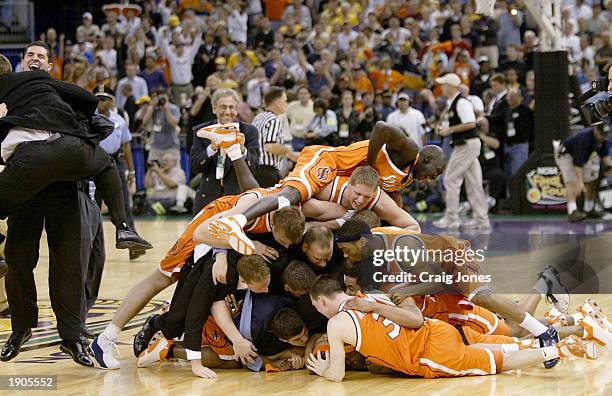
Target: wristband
{"points": [[340, 222]]}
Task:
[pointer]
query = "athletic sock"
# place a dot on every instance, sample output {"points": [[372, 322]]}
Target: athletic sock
{"points": [[532, 325], [550, 352], [588, 205], [571, 207], [111, 331], [510, 348]]}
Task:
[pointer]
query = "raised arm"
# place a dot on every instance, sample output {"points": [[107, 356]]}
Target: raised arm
{"points": [[394, 138]]}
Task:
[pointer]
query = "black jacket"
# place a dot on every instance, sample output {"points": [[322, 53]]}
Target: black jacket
{"points": [[211, 188], [35, 100]]}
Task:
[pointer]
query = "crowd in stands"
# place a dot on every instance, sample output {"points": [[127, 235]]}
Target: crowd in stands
{"points": [[344, 65]]}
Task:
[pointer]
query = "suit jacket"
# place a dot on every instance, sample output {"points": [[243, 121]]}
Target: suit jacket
{"points": [[499, 117], [211, 188], [35, 100]]}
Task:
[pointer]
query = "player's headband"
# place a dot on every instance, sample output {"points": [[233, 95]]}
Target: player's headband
{"points": [[352, 237]]}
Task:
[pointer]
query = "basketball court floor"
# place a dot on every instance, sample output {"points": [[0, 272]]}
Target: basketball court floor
{"points": [[514, 242]]}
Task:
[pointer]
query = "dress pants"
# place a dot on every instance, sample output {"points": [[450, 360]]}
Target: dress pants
{"points": [[463, 165], [56, 208], [35, 165], [93, 254]]}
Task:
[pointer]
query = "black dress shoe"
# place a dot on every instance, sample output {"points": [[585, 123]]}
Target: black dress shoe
{"points": [[3, 268], [127, 239], [77, 352], [86, 345], [142, 338], [5, 313], [12, 347], [85, 332]]}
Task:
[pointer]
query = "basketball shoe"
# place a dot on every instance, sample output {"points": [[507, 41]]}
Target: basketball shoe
{"points": [[549, 338], [142, 338], [157, 352], [591, 306], [103, 348], [577, 347], [230, 229], [223, 136], [549, 283], [595, 330]]}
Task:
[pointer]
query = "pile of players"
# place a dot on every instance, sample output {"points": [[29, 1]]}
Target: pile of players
{"points": [[279, 279]]}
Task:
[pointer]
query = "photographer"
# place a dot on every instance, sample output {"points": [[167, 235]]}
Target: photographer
{"points": [[166, 186], [161, 121], [580, 169]]}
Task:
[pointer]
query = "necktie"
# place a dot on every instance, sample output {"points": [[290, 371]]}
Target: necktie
{"points": [[245, 328]]}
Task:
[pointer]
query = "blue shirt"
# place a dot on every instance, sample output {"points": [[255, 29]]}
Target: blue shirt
{"points": [[121, 134], [582, 144]]}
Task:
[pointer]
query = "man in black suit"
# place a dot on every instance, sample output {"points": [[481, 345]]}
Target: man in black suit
{"points": [[498, 108], [206, 158]]}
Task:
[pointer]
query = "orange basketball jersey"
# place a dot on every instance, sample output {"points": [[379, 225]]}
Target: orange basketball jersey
{"points": [[339, 188], [183, 248], [317, 166], [433, 350]]}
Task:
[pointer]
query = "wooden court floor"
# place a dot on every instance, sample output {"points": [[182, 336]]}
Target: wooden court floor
{"points": [[42, 358]]}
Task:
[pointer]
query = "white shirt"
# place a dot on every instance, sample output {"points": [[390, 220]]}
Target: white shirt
{"points": [[571, 43], [411, 122], [19, 135], [477, 103], [109, 59], [180, 67], [465, 109], [256, 90], [237, 26], [344, 40], [495, 100], [139, 88]]}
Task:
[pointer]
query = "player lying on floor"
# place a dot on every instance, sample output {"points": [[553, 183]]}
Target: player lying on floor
{"points": [[589, 321], [217, 351], [359, 242], [423, 347], [389, 151]]}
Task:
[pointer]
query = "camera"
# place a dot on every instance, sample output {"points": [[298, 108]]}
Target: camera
{"points": [[156, 162], [600, 85], [598, 107], [162, 101]]}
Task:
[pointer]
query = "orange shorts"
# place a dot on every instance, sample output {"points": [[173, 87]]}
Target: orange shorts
{"points": [[317, 166], [475, 337], [481, 320], [445, 355], [215, 338]]}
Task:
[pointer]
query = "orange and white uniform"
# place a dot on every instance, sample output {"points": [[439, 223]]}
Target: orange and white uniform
{"points": [[215, 338], [454, 309], [338, 190], [434, 350], [317, 166], [185, 246], [445, 244]]}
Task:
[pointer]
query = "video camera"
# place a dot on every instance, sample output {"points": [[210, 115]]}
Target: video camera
{"points": [[597, 102]]}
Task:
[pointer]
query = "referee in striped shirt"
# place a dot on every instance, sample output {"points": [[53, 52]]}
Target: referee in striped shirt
{"points": [[270, 127]]}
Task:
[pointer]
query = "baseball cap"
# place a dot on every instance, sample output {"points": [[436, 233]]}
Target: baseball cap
{"points": [[483, 58], [103, 90], [87, 15], [403, 95], [450, 79], [143, 99]]}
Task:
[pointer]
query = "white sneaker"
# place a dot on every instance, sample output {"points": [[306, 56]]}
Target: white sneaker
{"points": [[230, 229], [445, 223], [157, 352], [576, 347], [103, 348], [221, 135], [591, 306], [483, 225], [179, 209], [596, 330]]}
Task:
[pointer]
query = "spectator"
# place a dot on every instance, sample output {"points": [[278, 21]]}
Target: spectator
{"points": [[237, 23], [109, 55], [201, 109], [408, 119], [257, 88], [348, 120], [490, 162], [180, 60], [319, 77], [300, 112], [154, 77], [519, 132], [166, 186], [510, 20], [88, 29], [323, 126], [480, 82], [385, 78], [497, 109], [513, 61], [529, 96], [139, 85], [346, 36], [205, 158], [271, 147], [301, 13], [161, 120], [570, 42], [385, 107], [475, 100]]}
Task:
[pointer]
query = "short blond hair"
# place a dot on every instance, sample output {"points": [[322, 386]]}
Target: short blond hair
{"points": [[253, 268], [5, 65], [365, 175]]}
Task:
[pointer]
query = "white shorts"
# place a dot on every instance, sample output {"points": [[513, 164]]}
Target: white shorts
{"points": [[590, 170]]}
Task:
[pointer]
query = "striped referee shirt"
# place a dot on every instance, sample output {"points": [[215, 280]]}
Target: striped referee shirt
{"points": [[270, 129]]}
